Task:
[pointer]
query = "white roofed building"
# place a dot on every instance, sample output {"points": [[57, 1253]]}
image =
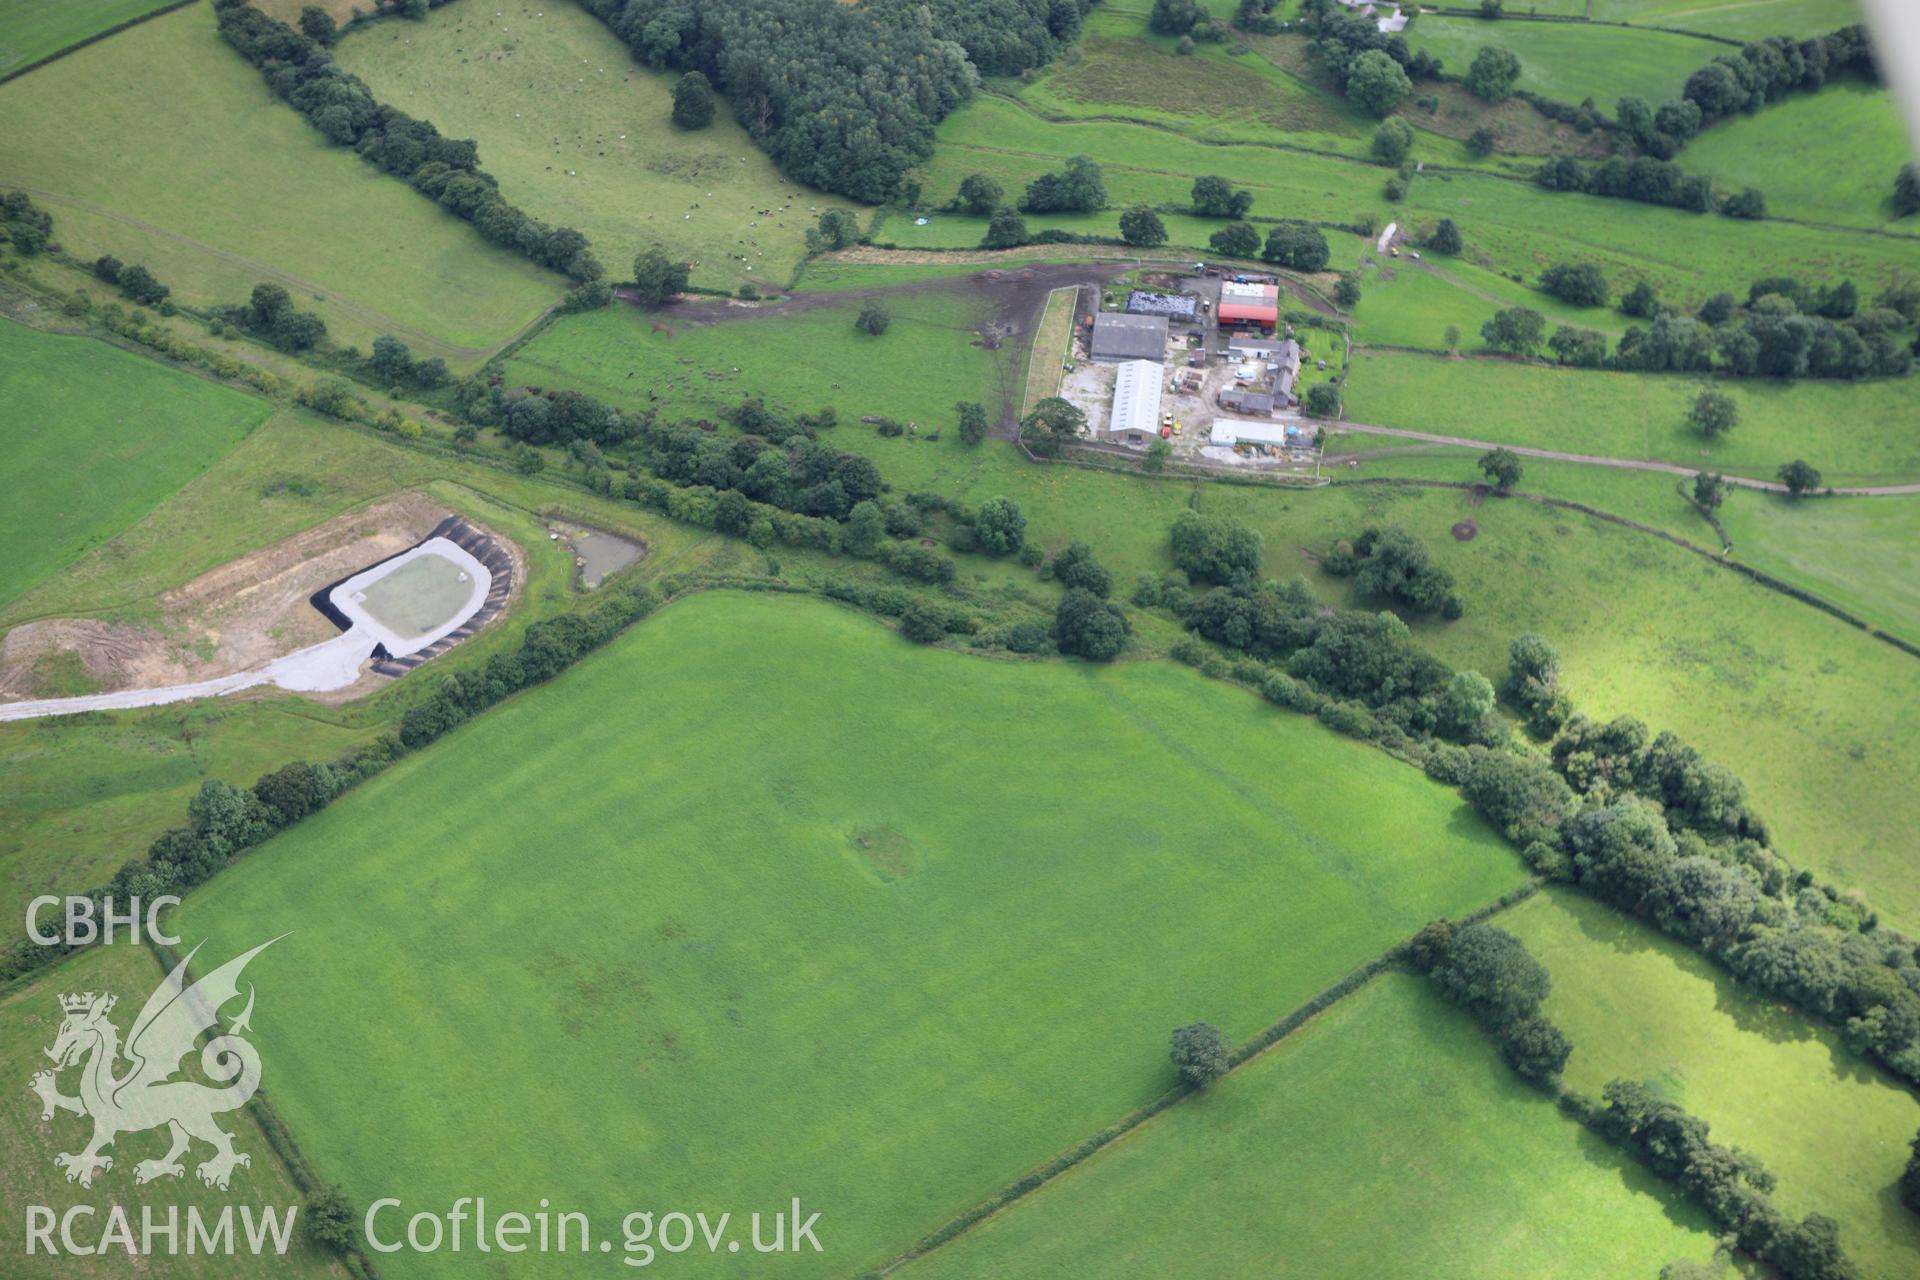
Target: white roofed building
{"points": [[1135, 420]]}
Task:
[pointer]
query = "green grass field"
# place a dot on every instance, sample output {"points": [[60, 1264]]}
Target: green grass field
{"points": [[1571, 61], [1862, 553], [1638, 1006], [29, 1018], [95, 438], [1856, 433], [34, 29], [195, 169], [1750, 20], [579, 135], [785, 950], [1408, 304], [1788, 151], [915, 371], [1385, 1138]]}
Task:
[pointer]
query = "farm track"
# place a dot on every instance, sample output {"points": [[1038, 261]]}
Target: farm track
{"points": [[421, 341]]}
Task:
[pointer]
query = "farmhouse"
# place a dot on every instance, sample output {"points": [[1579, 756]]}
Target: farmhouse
{"points": [[1135, 419], [1183, 308], [1255, 304], [1124, 337]]}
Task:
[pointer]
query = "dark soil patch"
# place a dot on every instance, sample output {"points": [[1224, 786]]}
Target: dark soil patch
{"points": [[886, 852], [1465, 531]]}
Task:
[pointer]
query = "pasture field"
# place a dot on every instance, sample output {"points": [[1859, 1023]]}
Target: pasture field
{"points": [[810, 958], [1751, 20], [1409, 304], [1571, 61], [1862, 553], [30, 1016], [1387, 1119], [1856, 433], [94, 438], [1639, 1006], [196, 170], [34, 29], [1787, 150], [580, 135], [915, 371]]}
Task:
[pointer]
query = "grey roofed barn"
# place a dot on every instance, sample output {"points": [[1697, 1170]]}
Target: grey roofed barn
{"points": [[1123, 337]]}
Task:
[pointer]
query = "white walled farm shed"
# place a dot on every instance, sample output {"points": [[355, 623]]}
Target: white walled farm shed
{"points": [[1232, 431], [1135, 419]]}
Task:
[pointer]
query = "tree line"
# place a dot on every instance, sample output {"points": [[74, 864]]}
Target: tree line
{"points": [[302, 72], [1785, 328], [843, 97]]}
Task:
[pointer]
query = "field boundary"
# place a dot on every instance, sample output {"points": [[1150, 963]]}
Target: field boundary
{"points": [[1040, 336], [95, 38], [1292, 1021]]}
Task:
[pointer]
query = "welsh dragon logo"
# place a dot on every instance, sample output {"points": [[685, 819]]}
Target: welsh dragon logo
{"points": [[145, 1094]]}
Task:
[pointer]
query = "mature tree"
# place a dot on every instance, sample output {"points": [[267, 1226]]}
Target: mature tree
{"points": [[1392, 141], [317, 25], [1141, 226], [1076, 567], [108, 268], [1906, 191], [1174, 17], [837, 229], [873, 319], [1533, 668], [1446, 237], [1079, 188], [923, 621], [1579, 348], [1493, 74], [866, 527], [1466, 703], [138, 284], [1088, 627], [1390, 563], [1322, 400], [331, 1220], [973, 421], [1377, 82], [1535, 1048], [1215, 548], [1346, 291], [1482, 141], [1200, 1051], [1155, 461], [657, 277], [1709, 490], [1299, 245], [1713, 413], [1910, 1178], [1214, 197], [1000, 525], [392, 361], [1750, 203], [298, 330], [1580, 283], [1489, 972], [1492, 8], [1054, 422], [1502, 466], [1452, 337], [1799, 477], [1718, 309], [1640, 301], [1005, 230], [1235, 240], [693, 101], [1515, 330], [979, 195]]}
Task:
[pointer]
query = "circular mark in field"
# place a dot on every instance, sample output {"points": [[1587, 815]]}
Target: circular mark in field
{"points": [[1465, 531]]}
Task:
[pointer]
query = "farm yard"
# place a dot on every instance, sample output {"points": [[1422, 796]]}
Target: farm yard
{"points": [[847, 772]]}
